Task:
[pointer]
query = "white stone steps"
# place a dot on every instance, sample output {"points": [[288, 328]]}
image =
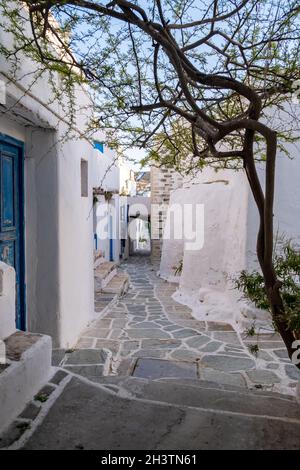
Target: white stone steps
{"points": [[29, 367], [99, 418], [98, 259], [103, 273], [107, 278], [118, 284], [104, 269]]}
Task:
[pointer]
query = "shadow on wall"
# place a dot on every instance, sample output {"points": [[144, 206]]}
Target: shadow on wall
{"points": [[42, 232]]}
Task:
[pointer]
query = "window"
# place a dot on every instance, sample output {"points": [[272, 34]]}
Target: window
{"points": [[84, 178], [99, 146]]}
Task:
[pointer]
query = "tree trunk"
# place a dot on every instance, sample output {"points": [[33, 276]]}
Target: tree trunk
{"points": [[278, 315], [272, 284]]}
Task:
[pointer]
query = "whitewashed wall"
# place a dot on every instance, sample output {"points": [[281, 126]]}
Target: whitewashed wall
{"points": [[105, 170], [58, 233], [7, 303], [58, 219], [286, 204], [224, 198], [231, 224], [107, 225]]}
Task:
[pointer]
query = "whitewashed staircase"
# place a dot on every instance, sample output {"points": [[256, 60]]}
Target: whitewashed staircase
{"points": [[107, 278]]}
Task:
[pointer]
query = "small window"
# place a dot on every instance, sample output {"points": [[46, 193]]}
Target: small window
{"points": [[84, 178], [99, 146]]}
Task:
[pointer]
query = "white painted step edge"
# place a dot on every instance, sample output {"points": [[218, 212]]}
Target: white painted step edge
{"points": [[23, 379]]}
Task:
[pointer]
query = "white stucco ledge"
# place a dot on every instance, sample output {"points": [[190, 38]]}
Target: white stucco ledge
{"points": [[28, 368], [7, 300]]}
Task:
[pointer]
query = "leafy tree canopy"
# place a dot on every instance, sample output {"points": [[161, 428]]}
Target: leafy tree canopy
{"points": [[165, 75]]}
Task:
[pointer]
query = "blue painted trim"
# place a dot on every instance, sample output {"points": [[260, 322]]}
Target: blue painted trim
{"points": [[6, 139], [12, 141], [99, 146], [111, 242], [111, 249]]}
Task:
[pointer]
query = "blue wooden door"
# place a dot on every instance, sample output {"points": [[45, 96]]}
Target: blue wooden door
{"points": [[11, 217]]}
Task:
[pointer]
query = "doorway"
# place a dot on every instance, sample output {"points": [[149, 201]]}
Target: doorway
{"points": [[12, 217]]}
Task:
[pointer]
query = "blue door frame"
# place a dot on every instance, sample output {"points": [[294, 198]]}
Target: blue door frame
{"points": [[111, 242], [12, 217]]}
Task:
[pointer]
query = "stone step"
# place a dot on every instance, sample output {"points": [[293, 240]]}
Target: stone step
{"points": [[96, 418], [99, 261], [98, 257], [103, 301], [208, 384], [208, 396], [225, 369], [119, 284], [88, 363], [103, 273], [28, 367]]}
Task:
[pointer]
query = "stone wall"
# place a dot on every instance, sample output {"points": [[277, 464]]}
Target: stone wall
{"points": [[163, 181]]}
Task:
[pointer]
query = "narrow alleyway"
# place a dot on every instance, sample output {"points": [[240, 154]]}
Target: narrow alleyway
{"points": [[147, 326], [149, 376]]}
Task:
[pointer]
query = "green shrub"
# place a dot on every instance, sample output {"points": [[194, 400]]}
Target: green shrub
{"points": [[178, 269], [287, 267]]}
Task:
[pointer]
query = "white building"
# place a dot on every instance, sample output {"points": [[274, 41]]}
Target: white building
{"points": [[110, 177], [48, 174], [229, 231], [49, 170]]}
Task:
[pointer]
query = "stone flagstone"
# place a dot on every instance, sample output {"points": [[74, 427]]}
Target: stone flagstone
{"points": [[228, 363], [155, 369], [263, 376]]}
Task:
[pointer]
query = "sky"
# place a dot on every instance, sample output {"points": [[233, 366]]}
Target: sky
{"points": [[137, 154]]}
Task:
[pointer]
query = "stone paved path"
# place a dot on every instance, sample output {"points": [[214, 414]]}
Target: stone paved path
{"points": [[138, 368], [147, 326], [140, 414], [133, 413]]}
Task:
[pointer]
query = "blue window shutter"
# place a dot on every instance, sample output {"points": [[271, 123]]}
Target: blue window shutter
{"points": [[99, 146]]}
